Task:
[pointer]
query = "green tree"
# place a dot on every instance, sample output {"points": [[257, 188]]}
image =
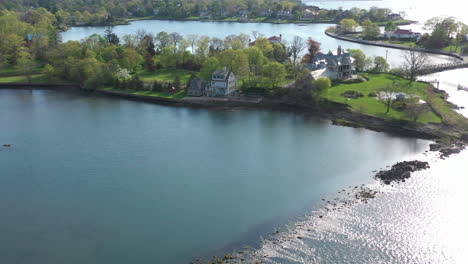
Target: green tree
{"points": [[203, 47], [348, 25], [390, 26], [279, 52], [380, 64], [321, 84], [256, 59], [370, 30], [209, 66], [26, 64], [274, 72], [236, 61], [111, 37], [361, 62], [264, 45]]}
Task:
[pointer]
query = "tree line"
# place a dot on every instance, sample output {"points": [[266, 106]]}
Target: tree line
{"points": [[32, 41], [99, 12]]}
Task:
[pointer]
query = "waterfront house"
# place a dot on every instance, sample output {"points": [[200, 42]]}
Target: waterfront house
{"points": [[223, 83], [402, 34], [272, 40], [334, 66], [197, 87], [394, 17], [205, 15]]}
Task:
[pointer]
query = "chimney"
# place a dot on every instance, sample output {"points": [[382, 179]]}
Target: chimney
{"points": [[339, 50], [225, 68]]}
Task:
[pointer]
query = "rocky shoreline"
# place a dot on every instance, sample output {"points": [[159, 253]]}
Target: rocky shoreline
{"points": [[350, 196]]}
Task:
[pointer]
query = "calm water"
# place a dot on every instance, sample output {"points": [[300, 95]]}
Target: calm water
{"points": [[417, 222], [220, 30], [100, 180]]}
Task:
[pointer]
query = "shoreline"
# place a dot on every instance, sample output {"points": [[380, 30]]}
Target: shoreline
{"points": [[127, 21], [395, 46], [337, 113]]}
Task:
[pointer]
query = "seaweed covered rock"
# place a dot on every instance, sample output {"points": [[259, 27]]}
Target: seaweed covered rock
{"points": [[401, 171]]}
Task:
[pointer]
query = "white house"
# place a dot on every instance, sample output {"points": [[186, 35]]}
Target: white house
{"points": [[223, 83], [402, 34], [339, 66]]}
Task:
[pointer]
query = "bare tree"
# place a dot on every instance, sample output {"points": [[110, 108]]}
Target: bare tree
{"points": [[256, 34], [192, 39], [414, 63], [141, 34], [176, 38], [296, 48]]}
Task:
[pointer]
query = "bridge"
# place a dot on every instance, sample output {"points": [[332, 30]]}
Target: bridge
{"points": [[444, 67], [458, 86]]}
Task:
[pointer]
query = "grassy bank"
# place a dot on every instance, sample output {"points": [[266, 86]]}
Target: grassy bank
{"points": [[35, 79], [165, 75], [407, 43], [178, 95], [38, 78], [373, 106]]}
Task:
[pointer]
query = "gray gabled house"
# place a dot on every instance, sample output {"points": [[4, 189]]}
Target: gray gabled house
{"points": [[223, 83], [197, 87], [333, 66]]}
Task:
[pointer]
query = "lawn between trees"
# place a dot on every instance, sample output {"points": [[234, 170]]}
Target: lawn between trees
{"points": [[439, 111]]}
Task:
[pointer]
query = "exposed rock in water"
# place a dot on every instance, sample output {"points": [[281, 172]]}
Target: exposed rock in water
{"points": [[401, 171], [447, 149]]}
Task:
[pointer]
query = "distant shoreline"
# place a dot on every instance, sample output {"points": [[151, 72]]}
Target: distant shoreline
{"points": [[337, 113]]}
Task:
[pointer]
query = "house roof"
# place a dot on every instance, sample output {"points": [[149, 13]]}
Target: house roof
{"points": [[322, 60], [275, 38], [224, 73], [403, 31]]}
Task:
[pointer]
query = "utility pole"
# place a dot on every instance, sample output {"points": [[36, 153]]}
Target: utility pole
{"points": [[386, 55]]}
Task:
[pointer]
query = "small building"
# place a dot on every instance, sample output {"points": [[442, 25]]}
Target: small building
{"points": [[394, 17], [223, 83], [205, 15], [402, 34], [197, 87], [339, 66], [272, 40]]}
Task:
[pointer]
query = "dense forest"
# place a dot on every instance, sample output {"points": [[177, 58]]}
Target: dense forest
{"points": [[79, 12], [30, 45], [101, 12]]}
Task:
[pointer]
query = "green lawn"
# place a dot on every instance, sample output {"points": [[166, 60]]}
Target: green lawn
{"points": [[9, 69], [453, 48], [178, 95], [373, 106], [37, 78], [166, 75], [408, 43]]}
